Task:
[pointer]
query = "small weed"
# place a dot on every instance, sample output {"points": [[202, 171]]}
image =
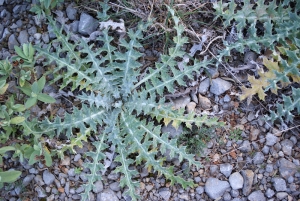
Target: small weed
{"points": [[235, 134]]}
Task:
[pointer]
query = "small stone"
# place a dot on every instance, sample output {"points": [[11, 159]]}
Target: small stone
{"points": [[45, 37], [279, 184], [173, 132], [32, 30], [281, 195], [286, 168], [74, 26], [71, 172], [269, 168], [203, 87], [17, 9], [248, 176], [181, 102], [226, 169], [113, 176], [249, 56], [165, 194], [265, 149], [215, 188], [12, 41], [213, 72], [38, 180], [236, 180], [219, 86], [287, 146], [245, 147], [200, 190], [227, 98], [23, 37], [269, 193], [271, 139], [227, 197], [197, 179], [234, 193], [71, 12], [37, 36], [191, 107], [51, 197], [115, 186], [256, 195], [258, 158], [27, 180], [87, 24], [204, 102], [77, 157], [98, 187], [48, 177], [66, 161], [41, 192], [253, 134]]}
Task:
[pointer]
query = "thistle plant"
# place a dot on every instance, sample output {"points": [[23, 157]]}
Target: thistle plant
{"points": [[128, 109]]}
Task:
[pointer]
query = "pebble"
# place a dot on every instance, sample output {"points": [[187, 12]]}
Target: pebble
{"points": [[41, 192], [181, 102], [236, 180], [245, 147], [269, 193], [227, 98], [38, 180], [253, 134], [45, 37], [215, 188], [248, 176], [191, 107], [258, 158], [71, 172], [200, 190], [265, 149], [165, 193], [219, 86], [23, 37], [87, 24], [271, 139], [71, 12], [77, 157], [115, 186], [256, 195], [204, 102], [113, 176], [279, 184], [286, 168], [48, 177], [12, 41], [27, 180], [66, 161], [287, 146], [203, 87]]}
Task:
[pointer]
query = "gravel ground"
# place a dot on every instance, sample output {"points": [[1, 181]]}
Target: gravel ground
{"points": [[262, 165]]}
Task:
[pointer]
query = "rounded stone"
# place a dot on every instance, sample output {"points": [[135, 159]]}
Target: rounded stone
{"points": [[236, 180], [215, 188]]}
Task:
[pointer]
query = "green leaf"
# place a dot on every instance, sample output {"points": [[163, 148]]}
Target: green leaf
{"points": [[30, 102], [26, 90], [47, 3], [45, 98], [20, 52], [9, 176], [48, 157], [35, 88], [33, 157], [18, 107], [5, 149], [41, 83], [25, 50], [31, 51], [17, 120], [3, 89]]}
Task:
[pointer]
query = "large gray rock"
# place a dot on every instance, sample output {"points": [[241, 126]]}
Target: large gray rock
{"points": [[219, 86], [248, 176], [245, 147], [107, 195], [286, 168], [12, 41], [87, 24], [236, 180], [256, 195], [279, 184], [226, 169], [165, 193], [215, 188]]}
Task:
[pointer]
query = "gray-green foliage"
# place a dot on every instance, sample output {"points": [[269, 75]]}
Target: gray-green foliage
{"points": [[268, 25], [127, 108]]}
